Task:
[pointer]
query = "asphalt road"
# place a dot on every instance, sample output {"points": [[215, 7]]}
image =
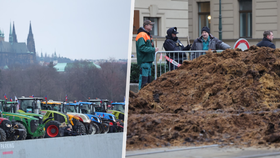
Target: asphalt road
{"points": [[213, 151]]}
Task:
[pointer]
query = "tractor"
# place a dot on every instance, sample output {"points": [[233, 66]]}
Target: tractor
{"points": [[117, 109], [88, 108], [100, 110], [81, 123], [52, 120], [7, 131], [29, 126]]}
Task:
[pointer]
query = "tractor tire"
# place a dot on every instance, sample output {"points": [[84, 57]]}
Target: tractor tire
{"points": [[100, 128], [52, 129], [24, 133], [90, 129], [2, 135], [81, 129], [105, 127], [96, 129]]}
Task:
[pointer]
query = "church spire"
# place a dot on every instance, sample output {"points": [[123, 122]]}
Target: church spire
{"points": [[14, 34], [11, 35], [30, 41]]}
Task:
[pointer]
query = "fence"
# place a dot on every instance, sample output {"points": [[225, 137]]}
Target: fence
{"points": [[173, 59]]}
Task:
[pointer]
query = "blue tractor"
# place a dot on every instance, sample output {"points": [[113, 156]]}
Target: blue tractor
{"points": [[87, 108], [101, 110]]}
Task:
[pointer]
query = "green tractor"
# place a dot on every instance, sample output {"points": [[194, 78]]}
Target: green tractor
{"points": [[30, 126], [51, 119]]}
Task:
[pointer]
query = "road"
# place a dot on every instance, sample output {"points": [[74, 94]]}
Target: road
{"points": [[213, 151]]}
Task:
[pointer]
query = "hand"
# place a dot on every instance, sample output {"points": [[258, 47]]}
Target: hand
{"points": [[156, 49], [188, 47]]}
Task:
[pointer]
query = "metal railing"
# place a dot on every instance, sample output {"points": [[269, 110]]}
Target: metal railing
{"points": [[173, 59]]}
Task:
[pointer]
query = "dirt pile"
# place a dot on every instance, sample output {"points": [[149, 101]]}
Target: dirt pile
{"points": [[228, 97]]}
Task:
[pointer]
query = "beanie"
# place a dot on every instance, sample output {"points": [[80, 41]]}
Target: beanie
{"points": [[205, 28]]}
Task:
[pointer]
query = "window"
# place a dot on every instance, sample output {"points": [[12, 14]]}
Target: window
{"points": [[245, 18], [155, 31], [204, 17]]}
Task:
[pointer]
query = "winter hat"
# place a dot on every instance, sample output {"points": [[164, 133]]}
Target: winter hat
{"points": [[174, 31], [205, 28]]}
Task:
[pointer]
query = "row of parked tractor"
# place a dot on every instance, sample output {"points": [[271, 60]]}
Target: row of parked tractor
{"points": [[34, 117]]}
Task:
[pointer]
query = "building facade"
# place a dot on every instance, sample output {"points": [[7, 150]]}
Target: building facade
{"points": [[165, 14], [14, 52], [240, 19]]}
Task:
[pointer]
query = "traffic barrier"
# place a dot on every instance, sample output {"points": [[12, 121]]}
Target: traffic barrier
{"points": [[100, 145]]}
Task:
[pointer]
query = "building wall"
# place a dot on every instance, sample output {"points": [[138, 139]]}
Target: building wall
{"points": [[8, 58], [184, 15], [171, 13], [265, 16]]}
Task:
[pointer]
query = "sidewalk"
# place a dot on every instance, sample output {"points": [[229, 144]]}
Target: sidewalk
{"points": [[209, 152]]}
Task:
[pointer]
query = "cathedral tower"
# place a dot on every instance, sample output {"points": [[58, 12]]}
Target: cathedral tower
{"points": [[11, 35], [30, 41], [14, 34]]}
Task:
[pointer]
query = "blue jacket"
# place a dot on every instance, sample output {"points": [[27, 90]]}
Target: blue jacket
{"points": [[266, 43]]}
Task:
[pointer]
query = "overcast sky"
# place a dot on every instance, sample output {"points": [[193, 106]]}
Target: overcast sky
{"points": [[85, 29]]}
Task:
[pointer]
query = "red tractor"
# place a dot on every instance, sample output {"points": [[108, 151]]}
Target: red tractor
{"points": [[8, 131]]}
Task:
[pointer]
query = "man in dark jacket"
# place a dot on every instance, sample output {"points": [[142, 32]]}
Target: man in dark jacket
{"points": [[172, 43], [207, 41], [267, 40], [145, 52]]}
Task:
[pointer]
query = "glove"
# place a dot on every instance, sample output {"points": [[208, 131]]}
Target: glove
{"points": [[188, 47]]}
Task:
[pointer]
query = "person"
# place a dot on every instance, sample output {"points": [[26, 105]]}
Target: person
{"points": [[172, 43], [207, 41], [67, 130], [145, 52], [267, 40]]}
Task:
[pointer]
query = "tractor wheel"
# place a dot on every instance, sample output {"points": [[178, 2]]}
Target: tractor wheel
{"points": [[100, 126], [105, 127], [81, 129], [96, 129], [2, 135], [52, 129], [90, 129], [23, 135]]}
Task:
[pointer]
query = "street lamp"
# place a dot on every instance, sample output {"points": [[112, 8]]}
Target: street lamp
{"points": [[220, 21]]}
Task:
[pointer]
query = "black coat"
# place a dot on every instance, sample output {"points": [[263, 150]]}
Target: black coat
{"points": [[174, 44], [266, 43]]}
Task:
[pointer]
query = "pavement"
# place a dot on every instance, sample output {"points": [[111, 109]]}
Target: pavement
{"points": [[212, 151]]}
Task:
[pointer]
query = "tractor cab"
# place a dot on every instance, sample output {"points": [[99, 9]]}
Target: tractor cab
{"points": [[9, 106], [70, 107], [118, 106], [100, 105], [117, 109], [30, 104], [86, 108], [52, 105]]}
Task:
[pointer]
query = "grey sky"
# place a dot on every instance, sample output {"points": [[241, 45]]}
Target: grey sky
{"points": [[85, 29]]}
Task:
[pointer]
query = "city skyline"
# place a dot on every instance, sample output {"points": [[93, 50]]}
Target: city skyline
{"points": [[72, 29]]}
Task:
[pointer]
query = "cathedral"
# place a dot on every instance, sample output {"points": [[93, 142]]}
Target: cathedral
{"points": [[14, 52]]}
